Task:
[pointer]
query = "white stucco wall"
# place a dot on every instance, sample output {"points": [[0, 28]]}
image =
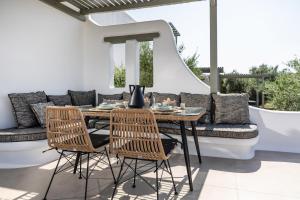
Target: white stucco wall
{"points": [[170, 72], [40, 49], [278, 130]]}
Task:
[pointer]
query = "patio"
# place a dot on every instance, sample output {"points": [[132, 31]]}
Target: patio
{"points": [[237, 165], [264, 177]]}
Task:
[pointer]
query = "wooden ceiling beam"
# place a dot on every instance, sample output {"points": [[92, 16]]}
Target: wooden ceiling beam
{"points": [[65, 9]]}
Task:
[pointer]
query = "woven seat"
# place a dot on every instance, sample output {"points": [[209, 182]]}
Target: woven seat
{"points": [[99, 140]]}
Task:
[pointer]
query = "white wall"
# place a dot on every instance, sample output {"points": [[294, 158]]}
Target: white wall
{"points": [[278, 130], [170, 72], [40, 49]]}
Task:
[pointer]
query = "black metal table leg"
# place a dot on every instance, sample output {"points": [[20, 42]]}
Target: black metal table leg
{"points": [[186, 154], [194, 132]]}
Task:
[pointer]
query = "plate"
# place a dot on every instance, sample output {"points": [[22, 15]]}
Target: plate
{"points": [[106, 107]]}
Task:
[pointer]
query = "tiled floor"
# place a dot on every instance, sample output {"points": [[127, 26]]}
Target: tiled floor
{"points": [[268, 176]]}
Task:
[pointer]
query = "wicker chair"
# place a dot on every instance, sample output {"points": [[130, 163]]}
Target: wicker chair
{"points": [[67, 133], [134, 135]]}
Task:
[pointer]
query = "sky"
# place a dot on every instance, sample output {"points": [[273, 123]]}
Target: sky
{"points": [[250, 32]]}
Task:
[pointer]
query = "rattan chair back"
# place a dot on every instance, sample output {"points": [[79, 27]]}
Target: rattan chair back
{"points": [[134, 134], [66, 129]]}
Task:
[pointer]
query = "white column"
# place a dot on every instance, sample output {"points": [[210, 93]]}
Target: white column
{"points": [[213, 47], [112, 66], [132, 62]]}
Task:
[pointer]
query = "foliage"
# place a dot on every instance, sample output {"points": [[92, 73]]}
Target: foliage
{"points": [[294, 64], [120, 76], [193, 63], [282, 89], [233, 85], [146, 64], [285, 90]]}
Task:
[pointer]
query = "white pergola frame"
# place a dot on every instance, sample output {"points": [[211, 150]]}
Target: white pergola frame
{"points": [[80, 8]]}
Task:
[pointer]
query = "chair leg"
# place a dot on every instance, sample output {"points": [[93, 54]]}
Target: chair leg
{"points": [[169, 166], [118, 179], [107, 155], [87, 176], [76, 163], [80, 165], [157, 187], [134, 176], [53, 176]]}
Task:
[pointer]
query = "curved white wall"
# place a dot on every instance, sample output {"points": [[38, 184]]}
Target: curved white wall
{"points": [[40, 49], [278, 130], [170, 72]]}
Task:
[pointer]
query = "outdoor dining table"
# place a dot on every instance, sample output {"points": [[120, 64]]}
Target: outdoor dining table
{"points": [[172, 117]]}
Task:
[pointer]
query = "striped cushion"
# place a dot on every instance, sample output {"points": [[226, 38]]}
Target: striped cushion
{"points": [[236, 131], [19, 135]]}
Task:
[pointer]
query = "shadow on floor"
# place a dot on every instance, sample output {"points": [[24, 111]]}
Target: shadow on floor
{"points": [[31, 183]]}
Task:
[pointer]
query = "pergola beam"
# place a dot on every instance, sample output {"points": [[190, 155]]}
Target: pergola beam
{"points": [[138, 37], [133, 5], [214, 75], [65, 9]]}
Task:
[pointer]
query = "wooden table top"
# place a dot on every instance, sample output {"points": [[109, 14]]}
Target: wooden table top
{"points": [[167, 116]]}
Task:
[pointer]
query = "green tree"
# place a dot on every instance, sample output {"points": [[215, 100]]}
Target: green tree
{"points": [[193, 62], [294, 64], [234, 85], [146, 64], [119, 76], [285, 90]]}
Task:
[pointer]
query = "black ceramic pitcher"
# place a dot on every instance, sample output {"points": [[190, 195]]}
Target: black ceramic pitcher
{"points": [[136, 96]]}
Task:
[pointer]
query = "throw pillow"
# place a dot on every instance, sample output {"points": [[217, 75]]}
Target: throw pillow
{"points": [[21, 105], [101, 97], [80, 98], [231, 108], [198, 100], [39, 110], [60, 100], [160, 97]]}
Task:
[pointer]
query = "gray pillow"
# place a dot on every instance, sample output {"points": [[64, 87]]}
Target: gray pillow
{"points": [[101, 97], [198, 100], [60, 100], [231, 108], [21, 105], [160, 97], [80, 98], [39, 110]]}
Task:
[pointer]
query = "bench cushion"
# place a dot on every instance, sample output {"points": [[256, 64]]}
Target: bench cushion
{"points": [[25, 134], [236, 131]]}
